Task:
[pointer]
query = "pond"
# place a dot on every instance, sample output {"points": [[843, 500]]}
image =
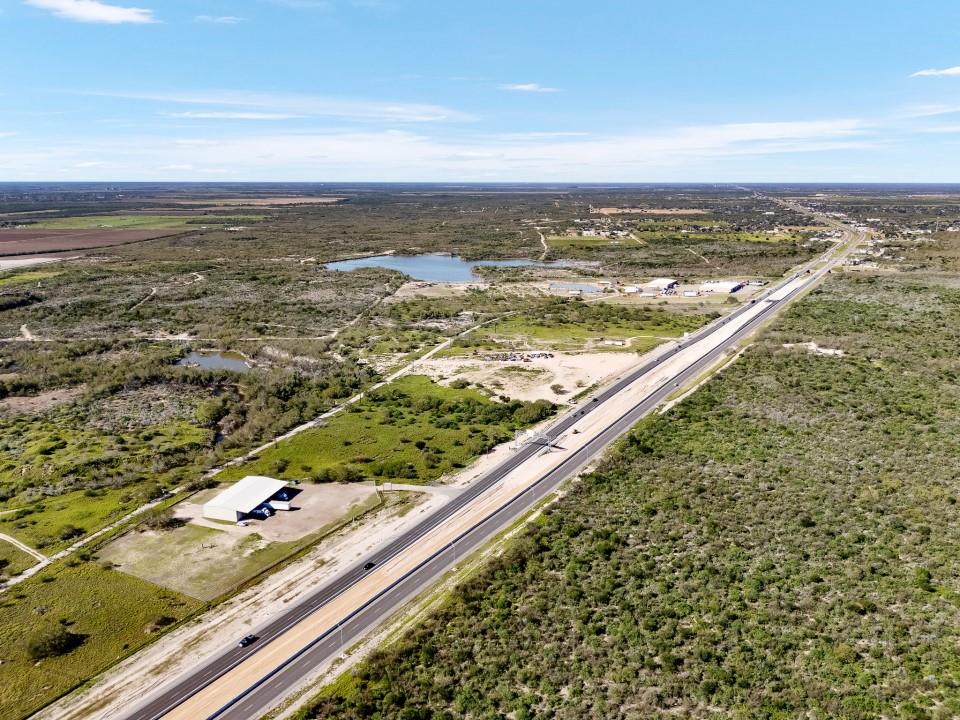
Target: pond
{"points": [[216, 361], [434, 268]]}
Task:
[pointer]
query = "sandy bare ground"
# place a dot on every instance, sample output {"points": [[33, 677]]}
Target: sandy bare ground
{"points": [[153, 291], [22, 262], [43, 401], [421, 288], [533, 380], [446, 490], [543, 243], [817, 349]]}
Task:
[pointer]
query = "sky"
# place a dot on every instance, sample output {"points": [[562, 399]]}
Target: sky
{"points": [[491, 91]]}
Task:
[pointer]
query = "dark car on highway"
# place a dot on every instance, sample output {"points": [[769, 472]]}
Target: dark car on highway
{"points": [[369, 566], [247, 640]]}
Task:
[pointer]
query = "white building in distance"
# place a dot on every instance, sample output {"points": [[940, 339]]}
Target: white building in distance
{"points": [[243, 497], [660, 284]]}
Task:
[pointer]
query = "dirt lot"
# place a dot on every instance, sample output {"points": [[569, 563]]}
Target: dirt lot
{"points": [[421, 288], [20, 242], [36, 403], [205, 559], [534, 380]]}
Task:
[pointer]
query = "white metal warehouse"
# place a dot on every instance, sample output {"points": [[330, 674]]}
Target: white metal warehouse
{"points": [[242, 498]]}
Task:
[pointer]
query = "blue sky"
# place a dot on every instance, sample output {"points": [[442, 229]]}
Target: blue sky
{"points": [[451, 90]]}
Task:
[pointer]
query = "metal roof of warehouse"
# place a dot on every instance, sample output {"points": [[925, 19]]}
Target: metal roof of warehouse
{"points": [[247, 494]]}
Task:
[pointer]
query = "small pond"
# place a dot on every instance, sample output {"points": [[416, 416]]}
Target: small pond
{"points": [[216, 361], [434, 268]]}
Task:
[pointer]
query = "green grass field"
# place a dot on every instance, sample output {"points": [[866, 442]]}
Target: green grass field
{"points": [[578, 326], [561, 242], [26, 277], [115, 613], [572, 336], [413, 429]]}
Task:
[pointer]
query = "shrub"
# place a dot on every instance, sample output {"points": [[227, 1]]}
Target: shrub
{"points": [[162, 519], [69, 532], [53, 643]]}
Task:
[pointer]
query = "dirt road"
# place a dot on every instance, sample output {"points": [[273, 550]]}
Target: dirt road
{"points": [[26, 548]]}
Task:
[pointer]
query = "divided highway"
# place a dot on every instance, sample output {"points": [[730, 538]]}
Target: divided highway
{"points": [[274, 683]]}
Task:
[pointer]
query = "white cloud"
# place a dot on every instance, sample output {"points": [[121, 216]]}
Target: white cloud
{"points": [[230, 115], [706, 152], [521, 136], [528, 87], [935, 72], [6, 134], [941, 129], [305, 4], [302, 105], [219, 19], [93, 11], [926, 111]]}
